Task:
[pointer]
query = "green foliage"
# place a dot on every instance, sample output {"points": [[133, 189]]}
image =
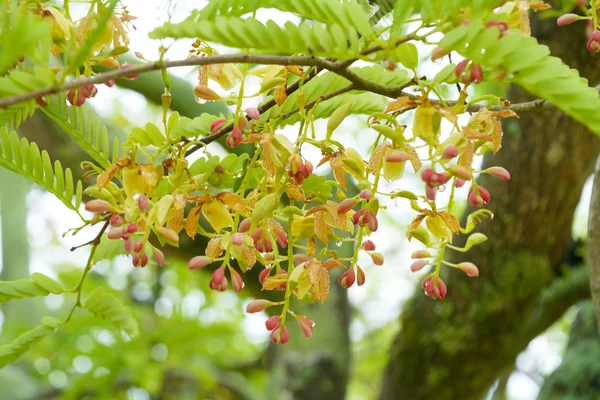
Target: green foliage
{"points": [[10, 352], [150, 135], [25, 159], [199, 126], [85, 128], [108, 306], [39, 285], [333, 40], [19, 82], [530, 65]]}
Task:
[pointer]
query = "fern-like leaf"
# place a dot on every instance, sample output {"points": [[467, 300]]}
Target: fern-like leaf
{"points": [[10, 352], [19, 82], [25, 159], [333, 40], [86, 130], [107, 306], [530, 65], [39, 285]]}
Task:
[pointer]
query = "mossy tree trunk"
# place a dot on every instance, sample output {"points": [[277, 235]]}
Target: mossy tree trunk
{"points": [[458, 347]]}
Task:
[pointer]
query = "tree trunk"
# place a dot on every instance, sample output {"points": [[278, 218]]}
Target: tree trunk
{"points": [[593, 244], [578, 376], [456, 348]]}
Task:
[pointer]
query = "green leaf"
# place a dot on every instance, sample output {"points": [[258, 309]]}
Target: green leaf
{"points": [[199, 126], [408, 55], [12, 351], [47, 283], [39, 285], [25, 159], [316, 185], [108, 249], [107, 306]]}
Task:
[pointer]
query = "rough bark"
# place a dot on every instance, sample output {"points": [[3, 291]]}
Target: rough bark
{"points": [[578, 376], [456, 348], [594, 241]]}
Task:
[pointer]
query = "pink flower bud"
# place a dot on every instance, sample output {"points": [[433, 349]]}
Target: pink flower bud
{"points": [[263, 275], [567, 19], [129, 76], [434, 289], [220, 287], [140, 260], [169, 234], [117, 220], [430, 192], [420, 254], [199, 262], [438, 53], [281, 238], [272, 322], [235, 137], [138, 246], [110, 83], [143, 203], [280, 335], [397, 156], [346, 206], [368, 245], [115, 233], [460, 68], [365, 194], [41, 101], [593, 45], [309, 168], [427, 174], [476, 73], [595, 36], [253, 112], [218, 275], [132, 227], [479, 199], [498, 172], [217, 125], [305, 324], [360, 276], [459, 182], [98, 206], [237, 239], [245, 225], [418, 265], [450, 152], [236, 280], [377, 258], [256, 234], [469, 268], [158, 256], [90, 91], [460, 172], [347, 278], [129, 245], [442, 287]]}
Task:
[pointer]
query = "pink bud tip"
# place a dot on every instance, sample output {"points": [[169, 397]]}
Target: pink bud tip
{"points": [[237, 239], [110, 83], [346, 206], [430, 192], [138, 246], [368, 245], [140, 260], [117, 220], [306, 325], [158, 256], [377, 258], [272, 322], [450, 152], [263, 275], [300, 258], [236, 280], [280, 335], [253, 112], [469, 268], [143, 203], [347, 278], [115, 233], [427, 174], [418, 265], [129, 76], [217, 125], [234, 139], [498, 172], [199, 262], [459, 182], [420, 254], [128, 245], [132, 227], [476, 73], [478, 200], [366, 194], [567, 19], [98, 206], [360, 276], [245, 225], [460, 68], [397, 156]]}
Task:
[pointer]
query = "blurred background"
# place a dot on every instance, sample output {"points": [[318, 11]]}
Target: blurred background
{"points": [[381, 340]]}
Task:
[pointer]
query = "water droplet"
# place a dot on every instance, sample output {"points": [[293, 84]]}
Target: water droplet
{"points": [[338, 243]]}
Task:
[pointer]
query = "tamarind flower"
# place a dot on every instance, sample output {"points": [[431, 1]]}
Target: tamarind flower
{"points": [[305, 324], [434, 287], [347, 279], [218, 281], [299, 169], [272, 322], [365, 217], [368, 245], [235, 138], [199, 262], [258, 305], [593, 44], [567, 19], [280, 335], [217, 125], [478, 197]]}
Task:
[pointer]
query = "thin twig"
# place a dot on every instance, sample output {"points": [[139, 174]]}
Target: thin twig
{"points": [[96, 240]]}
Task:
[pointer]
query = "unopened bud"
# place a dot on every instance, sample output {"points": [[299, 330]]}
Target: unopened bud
{"points": [[115, 233], [205, 93], [461, 172], [117, 220], [377, 258], [263, 275], [138, 246], [430, 192], [300, 258], [498, 172], [129, 245], [110, 83], [305, 324], [158, 256], [450, 152], [346, 206], [218, 125], [365, 194], [199, 262], [368, 245], [245, 225], [460, 68], [236, 280], [143, 203], [347, 278], [253, 112], [280, 335], [132, 227], [397, 156], [420, 254], [272, 322], [360, 276], [170, 234], [567, 19], [98, 206], [469, 268], [426, 175], [459, 182], [237, 239], [439, 53], [235, 137], [418, 265], [476, 73], [242, 122]]}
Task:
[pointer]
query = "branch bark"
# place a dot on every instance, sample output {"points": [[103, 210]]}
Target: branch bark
{"points": [[594, 241]]}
